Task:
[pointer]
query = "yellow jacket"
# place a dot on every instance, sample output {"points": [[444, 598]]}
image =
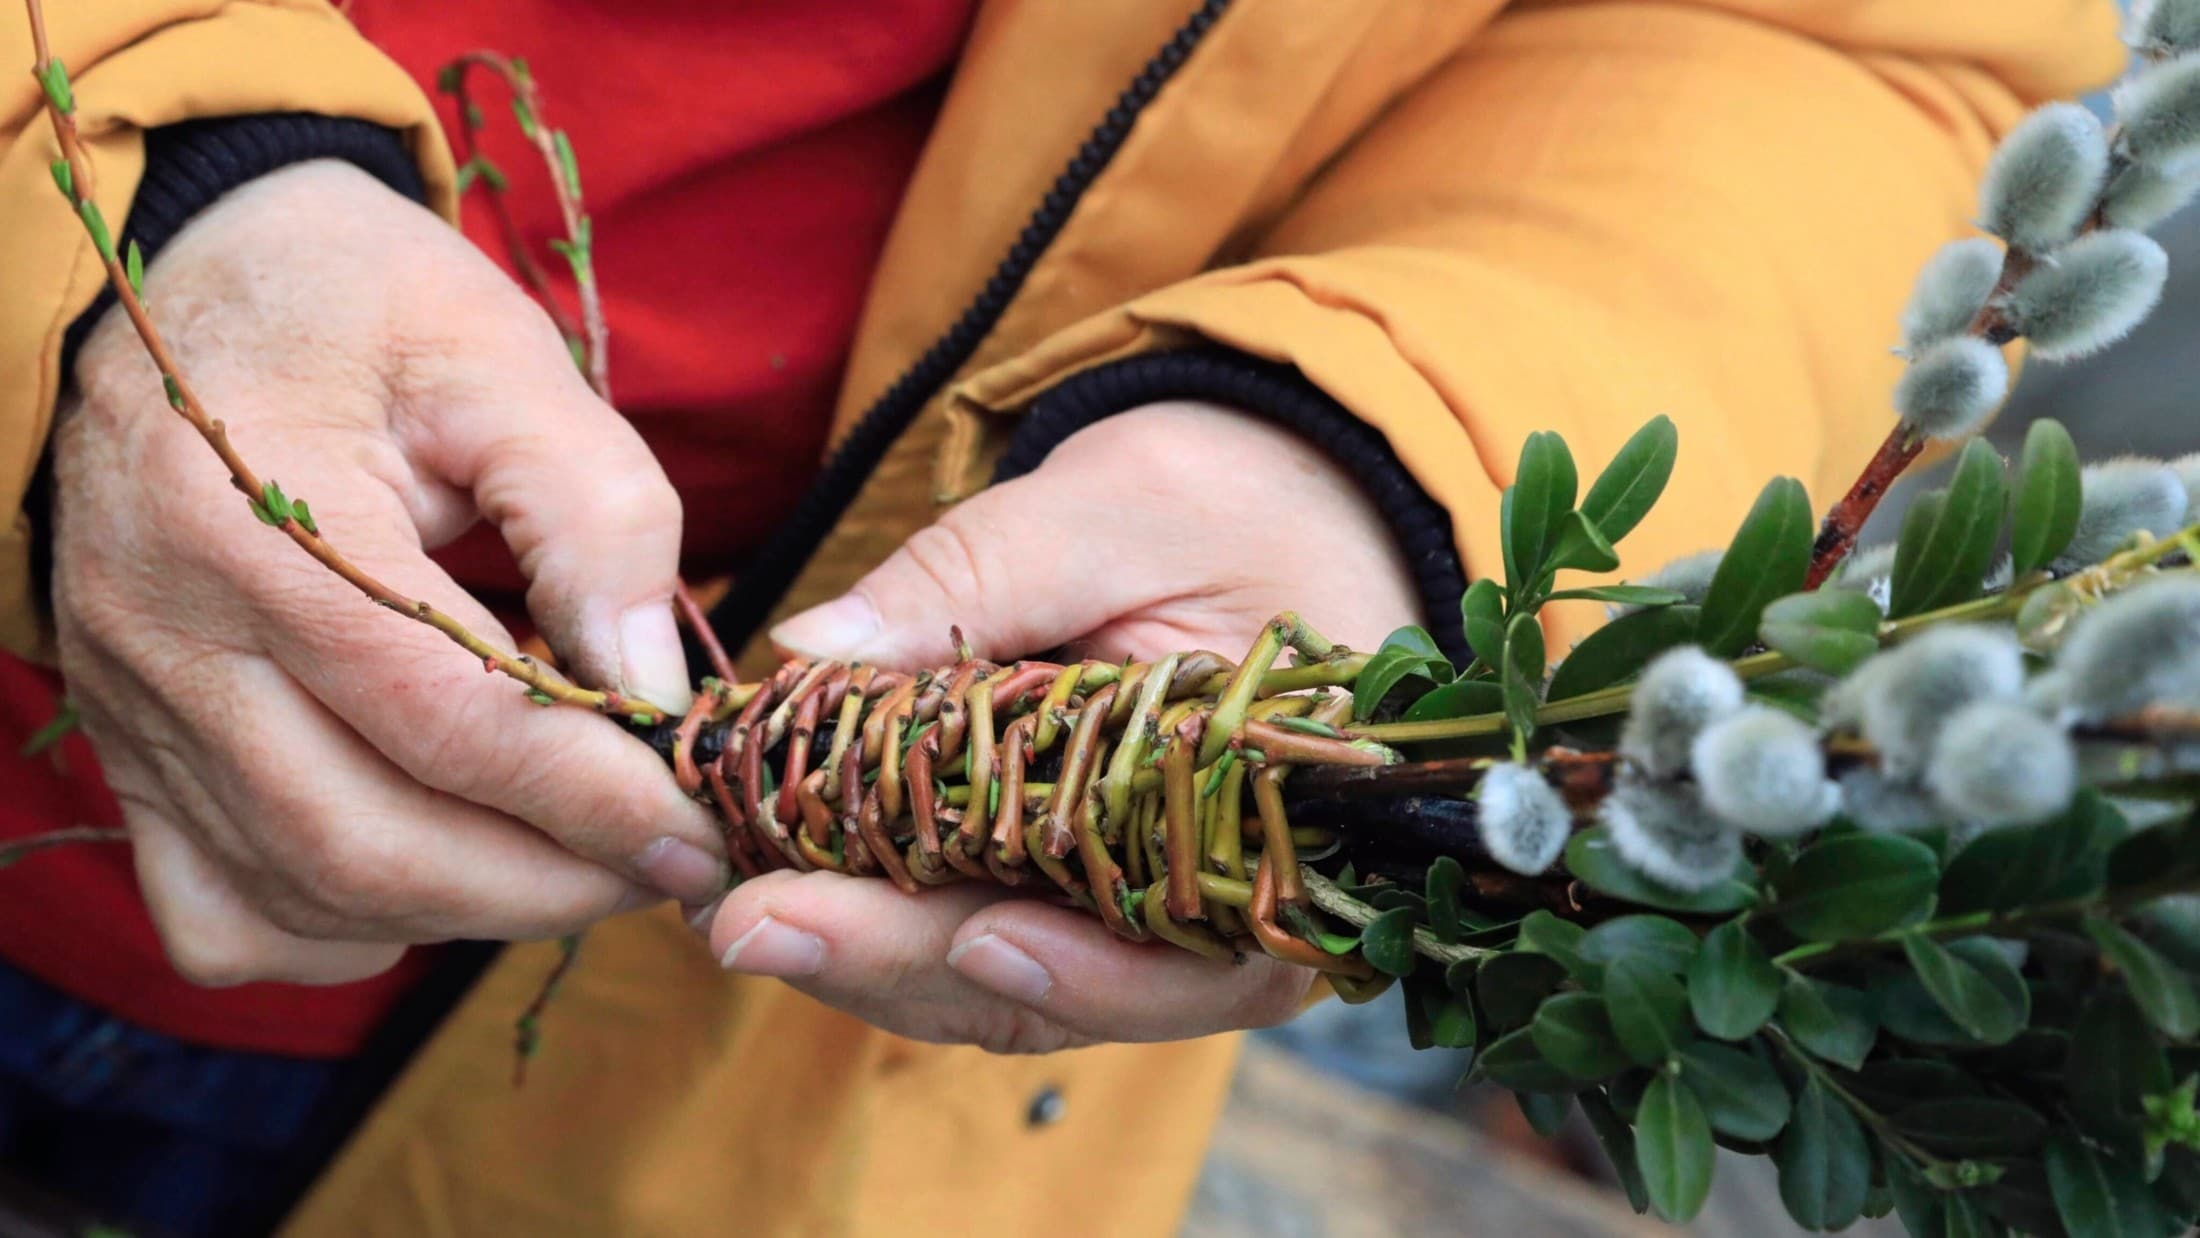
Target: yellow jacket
{"points": [[1464, 219]]}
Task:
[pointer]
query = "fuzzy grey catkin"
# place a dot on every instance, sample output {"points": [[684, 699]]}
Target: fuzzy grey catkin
{"points": [[1951, 388], [1874, 801], [1870, 572], [1951, 289], [1522, 820], [2138, 648], [2160, 27], [1763, 772], [2045, 178], [2159, 107], [2122, 497], [1664, 832], [1907, 694], [2187, 469], [1680, 693], [2144, 194], [1999, 764], [2089, 294]]}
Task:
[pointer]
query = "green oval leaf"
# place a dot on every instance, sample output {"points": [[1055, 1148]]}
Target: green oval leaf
{"points": [[1741, 1095], [1987, 1012], [2044, 504], [1579, 547], [2001, 869], [1768, 558], [1733, 986], [1825, 1164], [1630, 485], [1387, 942], [1830, 630], [1591, 857], [2163, 992], [1465, 698], [1649, 1010], [1942, 558], [1448, 1016], [1482, 614], [1446, 877], [1662, 943], [2121, 1062], [1973, 1127], [1619, 595], [1523, 673], [1831, 1021], [1857, 885], [1573, 1031], [1618, 1139], [1513, 1061], [1511, 987], [2097, 1197], [1673, 1148], [1622, 647], [1541, 494]]}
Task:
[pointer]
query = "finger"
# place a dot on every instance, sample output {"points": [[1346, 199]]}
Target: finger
{"points": [[210, 931], [336, 842], [585, 508], [430, 709], [868, 949], [1072, 969], [1018, 568]]}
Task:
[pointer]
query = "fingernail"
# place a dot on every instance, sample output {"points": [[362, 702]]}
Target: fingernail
{"points": [[1002, 968], [682, 870], [835, 629], [699, 918], [774, 949], [652, 665]]}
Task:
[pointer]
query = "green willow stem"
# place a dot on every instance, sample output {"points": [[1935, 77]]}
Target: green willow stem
{"points": [[1974, 923], [1331, 898], [1869, 1116], [2104, 577]]}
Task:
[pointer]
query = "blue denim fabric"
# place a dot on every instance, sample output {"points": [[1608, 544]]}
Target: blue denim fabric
{"points": [[155, 1135]]}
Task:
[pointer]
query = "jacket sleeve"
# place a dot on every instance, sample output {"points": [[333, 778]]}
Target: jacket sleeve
{"points": [[142, 65], [1596, 212]]}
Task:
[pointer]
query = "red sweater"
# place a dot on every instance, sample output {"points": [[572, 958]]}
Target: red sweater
{"points": [[742, 164]]}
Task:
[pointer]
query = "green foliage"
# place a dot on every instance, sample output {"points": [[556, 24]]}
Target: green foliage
{"points": [[1947, 545], [1767, 559], [2045, 502], [1831, 630]]}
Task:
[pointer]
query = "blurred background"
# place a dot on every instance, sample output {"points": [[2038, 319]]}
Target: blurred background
{"points": [[1422, 1155]]}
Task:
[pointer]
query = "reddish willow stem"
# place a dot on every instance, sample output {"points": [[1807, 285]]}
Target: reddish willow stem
{"points": [[589, 339], [1903, 444], [75, 174]]}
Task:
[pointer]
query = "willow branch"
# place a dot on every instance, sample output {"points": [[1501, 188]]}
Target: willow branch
{"points": [[21, 847]]}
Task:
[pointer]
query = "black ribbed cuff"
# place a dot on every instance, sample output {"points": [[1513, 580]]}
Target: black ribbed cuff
{"points": [[188, 166], [1282, 395]]}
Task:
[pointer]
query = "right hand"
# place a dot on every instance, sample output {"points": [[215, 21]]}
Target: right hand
{"points": [[311, 782]]}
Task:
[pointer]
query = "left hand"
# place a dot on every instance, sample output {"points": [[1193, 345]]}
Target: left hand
{"points": [[1171, 527]]}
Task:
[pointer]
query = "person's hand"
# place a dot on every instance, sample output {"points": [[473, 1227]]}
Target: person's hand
{"points": [[309, 780], [1173, 527]]}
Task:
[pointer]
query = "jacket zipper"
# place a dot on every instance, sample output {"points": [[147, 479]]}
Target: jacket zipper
{"points": [[772, 570]]}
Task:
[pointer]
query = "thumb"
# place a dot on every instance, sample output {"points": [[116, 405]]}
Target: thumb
{"points": [[1020, 568], [594, 524]]}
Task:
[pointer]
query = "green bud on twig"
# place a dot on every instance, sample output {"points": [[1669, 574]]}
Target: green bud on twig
{"points": [[96, 224], [1999, 764], [450, 78], [568, 166], [64, 179], [1952, 387], [1522, 821], [525, 115], [2122, 498], [174, 389], [54, 80], [1763, 771], [2045, 178], [1951, 289], [2090, 294], [133, 268]]}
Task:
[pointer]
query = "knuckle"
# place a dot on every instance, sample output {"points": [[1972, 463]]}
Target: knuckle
{"points": [[1006, 1030], [945, 554]]}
